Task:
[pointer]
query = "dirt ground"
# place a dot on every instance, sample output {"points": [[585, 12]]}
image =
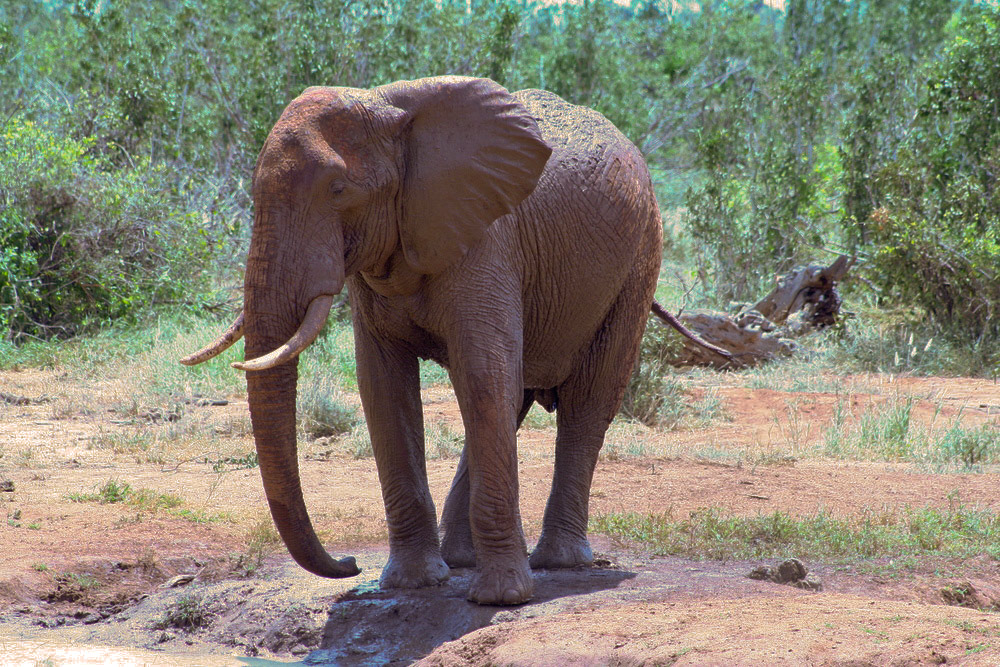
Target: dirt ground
{"points": [[184, 569]]}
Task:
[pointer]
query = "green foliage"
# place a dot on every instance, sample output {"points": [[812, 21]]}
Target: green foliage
{"points": [[935, 209], [901, 345], [130, 131], [82, 243], [766, 200]]}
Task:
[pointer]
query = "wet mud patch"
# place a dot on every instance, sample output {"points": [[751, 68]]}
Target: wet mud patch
{"points": [[371, 626]]}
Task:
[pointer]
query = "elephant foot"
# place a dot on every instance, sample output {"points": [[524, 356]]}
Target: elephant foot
{"points": [[560, 552], [416, 571], [457, 549], [503, 582]]}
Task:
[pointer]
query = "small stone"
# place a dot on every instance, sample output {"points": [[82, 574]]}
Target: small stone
{"points": [[790, 571], [809, 583]]}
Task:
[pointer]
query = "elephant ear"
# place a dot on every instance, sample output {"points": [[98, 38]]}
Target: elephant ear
{"points": [[473, 154]]}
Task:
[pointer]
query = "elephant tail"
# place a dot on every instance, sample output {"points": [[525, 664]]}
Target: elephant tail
{"points": [[670, 319]]}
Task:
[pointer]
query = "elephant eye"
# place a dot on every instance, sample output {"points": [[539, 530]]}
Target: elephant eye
{"points": [[337, 187]]}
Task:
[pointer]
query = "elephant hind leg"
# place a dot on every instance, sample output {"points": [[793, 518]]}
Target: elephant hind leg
{"points": [[588, 401], [456, 532]]}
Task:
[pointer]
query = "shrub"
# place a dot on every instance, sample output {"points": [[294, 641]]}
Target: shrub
{"points": [[321, 409], [83, 243], [934, 208]]}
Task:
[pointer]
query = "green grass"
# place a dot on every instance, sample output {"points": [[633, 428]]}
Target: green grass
{"points": [[142, 360], [900, 342], [332, 356], [321, 409], [359, 443], [123, 442], [232, 463], [432, 373], [261, 539], [538, 418], [802, 375], [887, 432], [112, 491], [958, 532], [145, 500], [441, 441]]}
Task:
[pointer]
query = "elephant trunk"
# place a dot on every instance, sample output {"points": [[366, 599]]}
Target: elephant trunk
{"points": [[272, 317]]}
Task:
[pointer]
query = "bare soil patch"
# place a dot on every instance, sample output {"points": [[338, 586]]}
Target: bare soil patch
{"points": [[79, 574]]}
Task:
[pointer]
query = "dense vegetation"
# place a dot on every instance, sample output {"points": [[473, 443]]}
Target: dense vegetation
{"points": [[128, 130]]}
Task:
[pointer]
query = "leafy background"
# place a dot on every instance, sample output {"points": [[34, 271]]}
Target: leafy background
{"points": [[776, 136]]}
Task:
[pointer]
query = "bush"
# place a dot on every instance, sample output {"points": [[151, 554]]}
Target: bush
{"points": [[934, 217], [83, 243], [321, 409]]}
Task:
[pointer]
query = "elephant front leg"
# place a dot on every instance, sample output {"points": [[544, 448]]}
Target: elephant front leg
{"points": [[489, 397], [389, 383]]}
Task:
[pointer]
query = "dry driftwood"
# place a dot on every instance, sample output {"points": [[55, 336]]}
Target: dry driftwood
{"points": [[803, 300]]}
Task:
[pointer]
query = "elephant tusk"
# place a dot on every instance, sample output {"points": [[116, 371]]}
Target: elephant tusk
{"points": [[312, 324], [230, 336]]}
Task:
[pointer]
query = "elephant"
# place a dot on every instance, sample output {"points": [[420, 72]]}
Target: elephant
{"points": [[515, 239]]}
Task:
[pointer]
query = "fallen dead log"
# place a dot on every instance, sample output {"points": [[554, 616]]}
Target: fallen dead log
{"points": [[803, 300]]}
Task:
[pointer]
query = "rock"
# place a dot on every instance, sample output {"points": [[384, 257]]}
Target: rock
{"points": [[810, 582], [791, 572], [7, 486]]}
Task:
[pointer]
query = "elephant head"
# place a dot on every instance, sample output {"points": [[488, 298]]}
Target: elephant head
{"points": [[403, 178]]}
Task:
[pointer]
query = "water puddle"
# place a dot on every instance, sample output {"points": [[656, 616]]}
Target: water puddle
{"points": [[34, 653]]}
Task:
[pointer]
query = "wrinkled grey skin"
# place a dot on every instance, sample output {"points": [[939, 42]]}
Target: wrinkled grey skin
{"points": [[513, 238]]}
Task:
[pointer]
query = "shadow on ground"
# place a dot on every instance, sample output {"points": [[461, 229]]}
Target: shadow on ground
{"points": [[368, 626]]}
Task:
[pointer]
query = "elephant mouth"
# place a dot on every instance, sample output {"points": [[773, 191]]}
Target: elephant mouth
{"points": [[316, 316]]}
